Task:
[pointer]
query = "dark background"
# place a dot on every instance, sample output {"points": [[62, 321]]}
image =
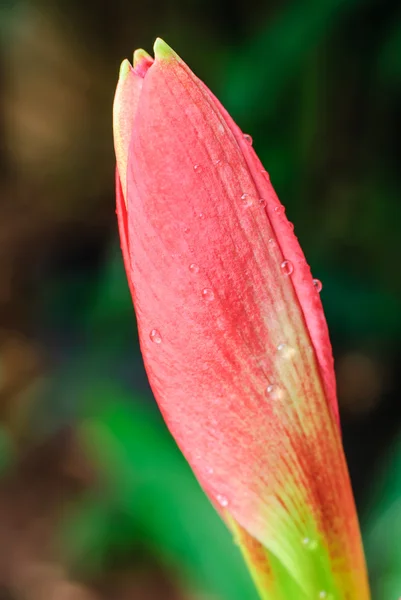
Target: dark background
{"points": [[95, 500]]}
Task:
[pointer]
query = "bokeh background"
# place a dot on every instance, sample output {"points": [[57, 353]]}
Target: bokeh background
{"points": [[95, 500]]}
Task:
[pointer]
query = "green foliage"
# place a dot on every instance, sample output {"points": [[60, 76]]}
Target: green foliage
{"points": [[6, 451], [383, 528], [261, 69], [147, 495]]}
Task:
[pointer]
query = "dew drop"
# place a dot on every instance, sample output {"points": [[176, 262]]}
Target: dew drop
{"points": [[309, 543], [201, 215], [248, 139], [318, 285], [198, 168], [272, 242], [279, 209], [265, 174], [222, 500], [323, 595], [285, 350], [194, 268], [208, 294], [186, 230], [291, 225], [217, 162], [287, 267], [155, 336], [274, 392], [246, 200], [209, 470], [262, 202]]}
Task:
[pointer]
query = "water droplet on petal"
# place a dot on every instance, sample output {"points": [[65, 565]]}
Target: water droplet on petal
{"points": [[210, 470], [248, 139], [222, 500], [291, 225], [246, 200], [262, 202], [272, 243], [198, 168], [194, 268], [287, 267], [155, 336], [274, 392], [285, 350], [217, 162], [201, 215], [318, 285], [265, 174], [186, 230], [309, 543], [208, 294]]}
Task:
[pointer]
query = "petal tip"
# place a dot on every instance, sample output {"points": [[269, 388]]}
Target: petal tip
{"points": [[124, 69], [163, 51], [140, 55], [142, 62]]}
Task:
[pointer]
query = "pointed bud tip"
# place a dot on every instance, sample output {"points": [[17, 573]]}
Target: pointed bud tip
{"points": [[142, 62], [163, 51], [124, 69], [140, 55]]}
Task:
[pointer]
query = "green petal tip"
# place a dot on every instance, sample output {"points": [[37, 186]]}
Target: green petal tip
{"points": [[124, 69], [140, 56], [163, 51]]}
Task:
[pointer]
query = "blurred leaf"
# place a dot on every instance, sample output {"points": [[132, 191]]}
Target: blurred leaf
{"points": [[382, 527], [84, 534], [113, 304], [260, 69], [6, 450], [146, 478], [357, 309], [389, 59]]}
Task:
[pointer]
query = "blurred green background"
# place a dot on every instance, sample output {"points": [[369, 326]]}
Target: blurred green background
{"points": [[95, 500]]}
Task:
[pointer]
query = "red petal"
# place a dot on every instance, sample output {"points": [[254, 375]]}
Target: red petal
{"points": [[125, 105], [122, 219], [307, 295], [235, 347]]}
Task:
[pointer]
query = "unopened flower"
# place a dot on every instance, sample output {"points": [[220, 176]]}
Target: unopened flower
{"points": [[232, 332]]}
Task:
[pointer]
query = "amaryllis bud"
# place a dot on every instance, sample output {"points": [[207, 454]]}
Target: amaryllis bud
{"points": [[232, 332]]}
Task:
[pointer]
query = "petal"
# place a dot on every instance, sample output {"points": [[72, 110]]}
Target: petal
{"points": [[308, 297], [125, 105], [122, 220], [241, 356], [271, 580]]}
